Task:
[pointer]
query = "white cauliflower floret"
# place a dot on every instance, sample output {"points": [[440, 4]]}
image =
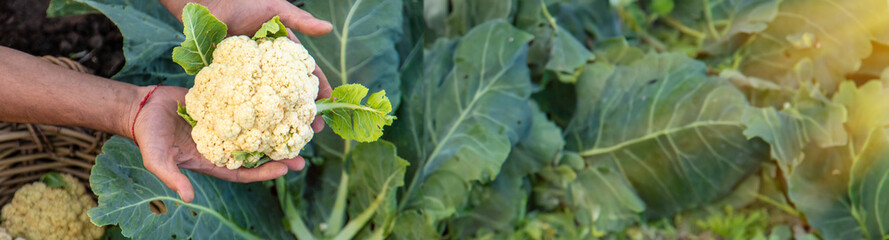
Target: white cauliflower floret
{"points": [[41, 212], [4, 235], [256, 96]]}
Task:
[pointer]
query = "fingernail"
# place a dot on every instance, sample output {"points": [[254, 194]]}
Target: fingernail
{"points": [[180, 194], [302, 165]]}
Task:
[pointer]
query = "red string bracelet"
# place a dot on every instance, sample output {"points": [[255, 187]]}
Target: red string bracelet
{"points": [[141, 104]]}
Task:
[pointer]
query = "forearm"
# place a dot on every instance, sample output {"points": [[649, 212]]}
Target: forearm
{"points": [[35, 91]]}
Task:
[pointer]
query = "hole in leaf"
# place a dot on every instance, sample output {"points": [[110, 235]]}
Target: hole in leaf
{"points": [[193, 213], [174, 236], [157, 207]]}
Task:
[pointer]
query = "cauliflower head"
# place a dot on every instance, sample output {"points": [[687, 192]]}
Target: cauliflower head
{"points": [[255, 97], [38, 211]]}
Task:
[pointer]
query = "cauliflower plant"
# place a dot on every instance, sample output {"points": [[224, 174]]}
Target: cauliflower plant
{"points": [[42, 211], [254, 98]]}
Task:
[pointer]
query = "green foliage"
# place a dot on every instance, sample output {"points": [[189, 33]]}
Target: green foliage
{"points": [[202, 33], [345, 114], [733, 225], [552, 119], [183, 112], [663, 111], [53, 179], [271, 29], [220, 209], [482, 100]]}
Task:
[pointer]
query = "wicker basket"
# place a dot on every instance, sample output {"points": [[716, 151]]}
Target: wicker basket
{"points": [[27, 151]]}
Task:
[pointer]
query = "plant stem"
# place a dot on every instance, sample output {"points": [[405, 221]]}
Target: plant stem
{"points": [[682, 28], [778, 205], [297, 226], [549, 17], [709, 17], [338, 214], [358, 222]]}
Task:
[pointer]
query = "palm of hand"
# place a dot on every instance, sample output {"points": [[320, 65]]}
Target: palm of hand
{"points": [[166, 143]]}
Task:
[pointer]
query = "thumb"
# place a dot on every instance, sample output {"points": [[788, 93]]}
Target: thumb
{"points": [[169, 173]]}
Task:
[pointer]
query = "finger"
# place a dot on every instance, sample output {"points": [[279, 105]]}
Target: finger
{"points": [[324, 88], [169, 173], [292, 36], [302, 21], [267, 171], [318, 124], [294, 164]]}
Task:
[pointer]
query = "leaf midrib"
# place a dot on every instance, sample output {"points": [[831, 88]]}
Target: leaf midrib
{"points": [[197, 43], [653, 135], [344, 75]]}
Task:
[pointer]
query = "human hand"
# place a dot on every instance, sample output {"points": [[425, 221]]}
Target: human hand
{"points": [[244, 17], [166, 144]]}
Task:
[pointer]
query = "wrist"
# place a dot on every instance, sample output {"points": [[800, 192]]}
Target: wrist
{"points": [[124, 125]]}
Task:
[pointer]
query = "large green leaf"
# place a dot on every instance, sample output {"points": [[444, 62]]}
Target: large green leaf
{"points": [[361, 47], [675, 133], [150, 33], [466, 14], [808, 118], [838, 188], [220, 210], [498, 206], [373, 166], [821, 39], [459, 127]]}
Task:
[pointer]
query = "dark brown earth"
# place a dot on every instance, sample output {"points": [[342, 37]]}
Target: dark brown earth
{"points": [[92, 40]]}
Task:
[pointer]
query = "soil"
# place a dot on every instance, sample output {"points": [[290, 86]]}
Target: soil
{"points": [[93, 40]]}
